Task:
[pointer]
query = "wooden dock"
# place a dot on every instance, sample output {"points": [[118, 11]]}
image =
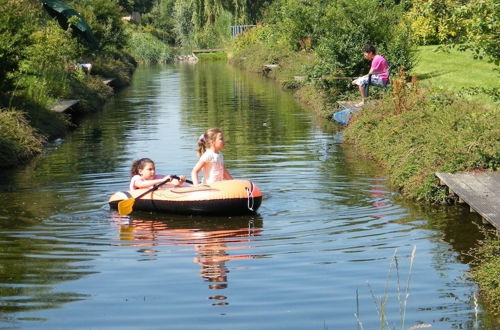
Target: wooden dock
{"points": [[481, 191], [217, 50], [347, 104], [63, 105], [107, 81]]}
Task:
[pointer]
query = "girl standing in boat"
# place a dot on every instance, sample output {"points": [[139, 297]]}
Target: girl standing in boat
{"points": [[144, 175], [211, 160]]}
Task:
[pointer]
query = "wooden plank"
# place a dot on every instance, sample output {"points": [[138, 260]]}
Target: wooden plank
{"points": [[329, 77], [219, 50], [481, 191], [347, 104], [107, 81], [63, 105]]}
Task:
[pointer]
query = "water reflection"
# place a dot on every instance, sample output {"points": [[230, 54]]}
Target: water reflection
{"points": [[215, 241]]}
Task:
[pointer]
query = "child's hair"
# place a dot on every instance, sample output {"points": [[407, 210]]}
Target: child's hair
{"points": [[139, 164], [206, 138], [369, 49]]}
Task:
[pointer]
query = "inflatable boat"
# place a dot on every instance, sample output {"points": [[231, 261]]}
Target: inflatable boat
{"points": [[228, 197]]}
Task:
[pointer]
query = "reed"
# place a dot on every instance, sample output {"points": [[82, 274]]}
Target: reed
{"points": [[402, 296]]}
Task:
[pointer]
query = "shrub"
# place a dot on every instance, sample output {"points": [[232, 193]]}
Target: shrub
{"points": [[347, 26], [42, 74], [148, 49], [105, 19], [17, 20], [18, 140]]}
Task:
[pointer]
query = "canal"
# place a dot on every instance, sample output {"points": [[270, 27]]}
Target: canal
{"points": [[327, 246]]}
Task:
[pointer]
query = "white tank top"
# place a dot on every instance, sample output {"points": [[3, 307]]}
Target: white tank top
{"points": [[213, 170]]}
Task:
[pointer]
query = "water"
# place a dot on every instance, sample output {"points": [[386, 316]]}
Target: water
{"points": [[320, 249]]}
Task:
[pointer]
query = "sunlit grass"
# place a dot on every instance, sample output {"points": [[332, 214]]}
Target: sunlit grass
{"points": [[454, 69]]}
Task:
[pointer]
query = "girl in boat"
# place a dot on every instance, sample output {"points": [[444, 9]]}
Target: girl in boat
{"points": [[144, 175], [211, 161]]}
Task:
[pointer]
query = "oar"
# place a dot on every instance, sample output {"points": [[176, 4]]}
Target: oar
{"points": [[176, 177], [125, 207]]}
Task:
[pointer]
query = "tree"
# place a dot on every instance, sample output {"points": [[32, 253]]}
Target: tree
{"points": [[480, 19]]}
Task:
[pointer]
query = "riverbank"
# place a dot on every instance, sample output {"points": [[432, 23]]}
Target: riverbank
{"points": [[414, 130], [439, 123], [26, 124]]}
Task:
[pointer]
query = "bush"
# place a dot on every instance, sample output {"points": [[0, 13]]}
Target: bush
{"points": [[105, 19], [42, 74], [18, 140], [148, 49], [18, 20], [347, 26], [215, 35]]}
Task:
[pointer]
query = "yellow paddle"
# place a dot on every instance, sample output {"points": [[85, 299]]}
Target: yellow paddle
{"points": [[126, 206]]}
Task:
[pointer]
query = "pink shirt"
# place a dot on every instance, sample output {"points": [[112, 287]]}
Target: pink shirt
{"points": [[380, 64], [137, 178]]}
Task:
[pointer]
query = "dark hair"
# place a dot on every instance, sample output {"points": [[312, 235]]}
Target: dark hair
{"points": [[369, 49], [139, 165]]}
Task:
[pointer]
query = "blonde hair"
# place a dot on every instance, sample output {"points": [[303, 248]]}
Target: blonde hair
{"points": [[206, 139]]}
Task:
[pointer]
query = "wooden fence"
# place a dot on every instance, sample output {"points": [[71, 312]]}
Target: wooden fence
{"points": [[237, 29]]}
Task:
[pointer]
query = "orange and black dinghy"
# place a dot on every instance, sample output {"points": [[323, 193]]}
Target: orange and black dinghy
{"points": [[228, 197]]}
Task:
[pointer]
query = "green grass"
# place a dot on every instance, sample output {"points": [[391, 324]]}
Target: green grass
{"points": [[454, 69]]}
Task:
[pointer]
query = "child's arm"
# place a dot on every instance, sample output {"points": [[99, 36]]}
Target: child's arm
{"points": [[141, 183], [196, 169], [177, 182], [227, 176]]}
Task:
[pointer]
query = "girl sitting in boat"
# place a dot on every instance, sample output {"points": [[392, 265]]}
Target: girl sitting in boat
{"points": [[144, 176], [211, 160]]}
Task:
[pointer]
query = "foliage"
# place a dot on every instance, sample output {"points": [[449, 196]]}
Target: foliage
{"points": [[183, 28], [16, 25], [91, 92], [142, 6], [18, 140], [160, 21], [486, 270], [480, 18], [42, 74], [347, 26], [465, 24], [416, 132], [434, 21], [258, 47], [104, 17], [120, 68], [293, 20], [146, 48], [216, 34]]}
